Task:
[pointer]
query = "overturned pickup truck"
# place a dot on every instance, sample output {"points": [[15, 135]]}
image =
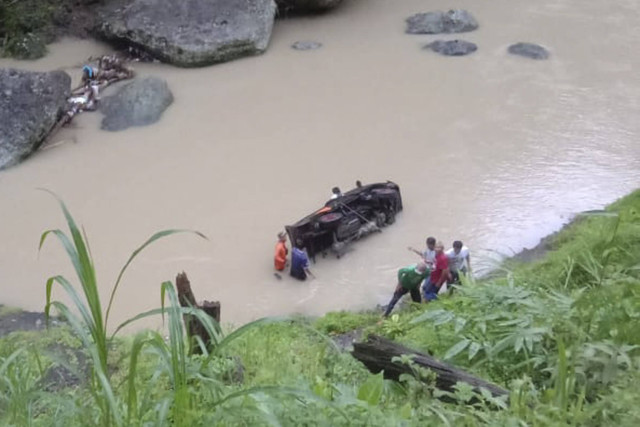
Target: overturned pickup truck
{"points": [[354, 214]]}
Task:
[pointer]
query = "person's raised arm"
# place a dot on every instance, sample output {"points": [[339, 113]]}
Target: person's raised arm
{"points": [[417, 252], [306, 265], [306, 270]]}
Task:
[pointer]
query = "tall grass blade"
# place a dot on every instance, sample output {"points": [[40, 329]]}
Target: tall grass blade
{"points": [[156, 236]]}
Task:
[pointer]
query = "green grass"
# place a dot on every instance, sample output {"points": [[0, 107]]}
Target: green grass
{"points": [[560, 334]]}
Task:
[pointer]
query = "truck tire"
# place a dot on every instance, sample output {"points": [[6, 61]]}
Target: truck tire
{"points": [[330, 220]]}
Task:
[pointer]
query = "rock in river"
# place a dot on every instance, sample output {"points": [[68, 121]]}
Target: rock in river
{"points": [[529, 50], [306, 45], [138, 103], [452, 21], [30, 105], [190, 33], [452, 47], [307, 6]]}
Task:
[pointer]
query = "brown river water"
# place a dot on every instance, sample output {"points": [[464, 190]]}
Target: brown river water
{"points": [[492, 149]]}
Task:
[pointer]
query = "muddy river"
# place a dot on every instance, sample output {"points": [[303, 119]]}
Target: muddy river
{"points": [[491, 149]]}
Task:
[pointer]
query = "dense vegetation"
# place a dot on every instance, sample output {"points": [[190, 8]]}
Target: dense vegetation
{"points": [[561, 334], [27, 26]]}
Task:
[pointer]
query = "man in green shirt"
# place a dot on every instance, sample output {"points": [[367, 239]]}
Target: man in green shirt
{"points": [[409, 280]]}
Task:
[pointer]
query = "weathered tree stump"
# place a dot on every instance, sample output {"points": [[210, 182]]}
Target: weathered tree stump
{"points": [[377, 352], [195, 328]]}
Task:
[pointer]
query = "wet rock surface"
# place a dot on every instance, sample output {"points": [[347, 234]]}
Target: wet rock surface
{"points": [[19, 320], [345, 341], [138, 103], [529, 50], [452, 47], [306, 45], [452, 21], [30, 105], [190, 33]]}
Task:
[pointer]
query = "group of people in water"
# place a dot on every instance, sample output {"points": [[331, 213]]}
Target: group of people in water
{"points": [[299, 258], [436, 269]]}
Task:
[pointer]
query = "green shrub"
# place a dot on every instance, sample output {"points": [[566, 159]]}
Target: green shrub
{"points": [[26, 26]]}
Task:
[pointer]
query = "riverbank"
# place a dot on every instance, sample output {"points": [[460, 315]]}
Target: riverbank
{"points": [[559, 333]]}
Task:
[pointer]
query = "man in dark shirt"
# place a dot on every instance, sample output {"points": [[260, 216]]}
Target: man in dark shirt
{"points": [[300, 262]]}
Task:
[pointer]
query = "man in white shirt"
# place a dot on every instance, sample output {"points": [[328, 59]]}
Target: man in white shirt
{"points": [[335, 193], [459, 260], [429, 254]]}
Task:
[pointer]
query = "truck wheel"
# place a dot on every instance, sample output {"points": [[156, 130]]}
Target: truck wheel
{"points": [[330, 219]]}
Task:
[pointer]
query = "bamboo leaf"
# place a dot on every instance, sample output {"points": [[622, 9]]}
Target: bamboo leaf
{"points": [[156, 236], [428, 315], [456, 349], [371, 390], [473, 349], [518, 344]]}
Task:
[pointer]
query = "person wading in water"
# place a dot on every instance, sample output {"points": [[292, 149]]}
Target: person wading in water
{"points": [[300, 262], [280, 257]]}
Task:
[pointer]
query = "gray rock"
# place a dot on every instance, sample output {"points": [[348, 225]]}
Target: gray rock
{"points": [[452, 21], [306, 45], [452, 47], [307, 6], [529, 50], [138, 103], [30, 106], [190, 33]]}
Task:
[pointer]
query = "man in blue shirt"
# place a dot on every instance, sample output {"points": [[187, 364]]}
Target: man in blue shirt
{"points": [[300, 262]]}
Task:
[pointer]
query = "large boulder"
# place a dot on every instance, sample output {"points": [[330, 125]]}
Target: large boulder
{"points": [[138, 103], [452, 47], [452, 21], [190, 33], [307, 6], [30, 105], [529, 50]]}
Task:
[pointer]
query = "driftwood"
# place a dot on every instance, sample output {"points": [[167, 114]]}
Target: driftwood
{"points": [[194, 327], [376, 354]]}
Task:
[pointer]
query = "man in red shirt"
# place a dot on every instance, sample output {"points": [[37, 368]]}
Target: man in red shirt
{"points": [[438, 276]]}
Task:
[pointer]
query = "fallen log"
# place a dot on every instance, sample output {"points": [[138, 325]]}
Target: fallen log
{"points": [[195, 328], [376, 353]]}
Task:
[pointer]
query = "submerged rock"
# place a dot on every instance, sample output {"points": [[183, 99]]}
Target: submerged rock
{"points": [[307, 6], [452, 47], [452, 21], [190, 33], [306, 45], [30, 105], [529, 50], [138, 103]]}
